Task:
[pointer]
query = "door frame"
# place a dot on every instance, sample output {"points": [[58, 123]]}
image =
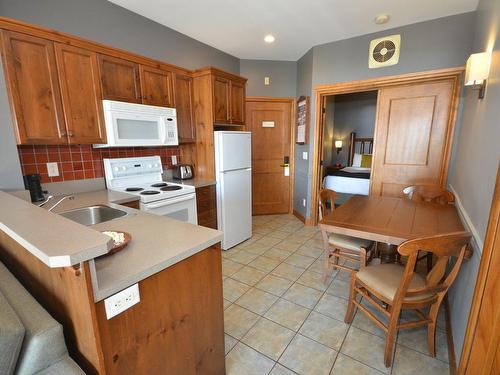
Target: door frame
{"points": [[374, 84], [487, 267], [287, 100]]}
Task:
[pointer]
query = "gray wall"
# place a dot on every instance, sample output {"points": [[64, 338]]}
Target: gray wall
{"points": [[10, 167], [102, 21], [282, 74], [352, 113], [440, 43], [302, 187], [473, 171]]}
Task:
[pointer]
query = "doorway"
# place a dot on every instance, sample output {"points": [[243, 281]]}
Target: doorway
{"points": [[270, 121], [415, 118]]}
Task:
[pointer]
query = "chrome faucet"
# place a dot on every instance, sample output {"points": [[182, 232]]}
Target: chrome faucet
{"points": [[69, 197]]}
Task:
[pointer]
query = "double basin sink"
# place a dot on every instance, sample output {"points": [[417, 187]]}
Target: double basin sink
{"points": [[93, 215]]}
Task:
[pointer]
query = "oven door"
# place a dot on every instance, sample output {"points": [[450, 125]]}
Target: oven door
{"points": [[181, 208]]}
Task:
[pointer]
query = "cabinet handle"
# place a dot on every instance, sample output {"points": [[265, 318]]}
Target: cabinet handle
{"points": [[70, 133], [64, 134]]}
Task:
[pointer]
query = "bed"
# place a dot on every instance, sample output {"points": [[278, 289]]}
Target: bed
{"points": [[352, 179]]}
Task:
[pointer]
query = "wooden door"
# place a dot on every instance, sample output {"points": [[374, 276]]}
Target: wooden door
{"points": [[237, 115], [184, 106], [481, 350], [119, 79], [156, 86], [270, 124], [78, 72], [412, 136], [221, 89], [31, 76]]}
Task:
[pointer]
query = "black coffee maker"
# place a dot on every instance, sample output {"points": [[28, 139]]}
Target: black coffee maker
{"points": [[32, 183]]}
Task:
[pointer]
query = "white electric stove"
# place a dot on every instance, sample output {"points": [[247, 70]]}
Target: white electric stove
{"points": [[142, 176]]}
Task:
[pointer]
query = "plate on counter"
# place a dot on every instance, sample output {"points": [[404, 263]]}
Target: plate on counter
{"points": [[120, 239]]}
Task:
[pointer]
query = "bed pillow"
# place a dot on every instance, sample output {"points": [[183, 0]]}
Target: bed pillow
{"points": [[366, 161], [356, 160]]}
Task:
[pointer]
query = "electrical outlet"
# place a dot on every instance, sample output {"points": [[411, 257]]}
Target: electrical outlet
{"points": [[121, 301], [52, 169], [304, 202], [304, 155], [174, 159]]}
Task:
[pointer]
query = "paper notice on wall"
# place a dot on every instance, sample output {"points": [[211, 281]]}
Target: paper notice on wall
{"points": [[301, 133], [268, 124], [286, 171]]}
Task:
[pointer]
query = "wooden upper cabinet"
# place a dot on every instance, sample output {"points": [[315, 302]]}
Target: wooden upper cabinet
{"points": [[81, 94], [221, 89], [156, 86], [32, 81], [119, 79], [237, 103], [184, 105]]}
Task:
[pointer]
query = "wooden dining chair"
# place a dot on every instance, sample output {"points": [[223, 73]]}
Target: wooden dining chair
{"points": [[337, 246], [392, 287], [428, 193]]}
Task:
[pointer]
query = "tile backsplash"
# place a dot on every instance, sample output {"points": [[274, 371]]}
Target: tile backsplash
{"points": [[78, 162]]}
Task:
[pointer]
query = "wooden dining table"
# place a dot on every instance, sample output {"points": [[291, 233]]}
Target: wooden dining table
{"points": [[391, 220]]}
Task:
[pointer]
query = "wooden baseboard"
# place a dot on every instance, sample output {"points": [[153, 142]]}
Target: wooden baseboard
{"points": [[449, 334], [299, 216]]}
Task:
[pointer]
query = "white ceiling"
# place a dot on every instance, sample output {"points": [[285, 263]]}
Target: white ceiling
{"points": [[239, 26]]}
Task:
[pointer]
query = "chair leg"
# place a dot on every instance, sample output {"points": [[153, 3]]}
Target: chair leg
{"points": [[326, 265], [349, 315], [362, 257], [391, 337], [431, 328], [429, 262]]}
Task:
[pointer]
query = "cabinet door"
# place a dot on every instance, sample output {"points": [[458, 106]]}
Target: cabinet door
{"points": [[31, 75], [81, 94], [156, 87], [119, 79], [237, 103], [184, 105], [221, 88]]}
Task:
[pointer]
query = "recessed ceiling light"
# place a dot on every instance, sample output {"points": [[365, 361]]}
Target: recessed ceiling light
{"points": [[382, 18], [269, 38]]}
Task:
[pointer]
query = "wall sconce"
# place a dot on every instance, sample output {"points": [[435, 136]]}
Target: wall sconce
{"points": [[338, 146], [477, 71]]}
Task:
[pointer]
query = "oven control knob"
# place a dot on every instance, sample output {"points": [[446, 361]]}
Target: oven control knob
{"points": [[117, 169], [150, 165], [156, 165], [124, 168]]}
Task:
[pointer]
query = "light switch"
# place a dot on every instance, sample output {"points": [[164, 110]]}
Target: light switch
{"points": [[52, 169], [304, 202], [266, 81], [304, 155], [174, 159]]}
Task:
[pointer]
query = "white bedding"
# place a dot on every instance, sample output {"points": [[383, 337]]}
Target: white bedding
{"points": [[349, 185]]}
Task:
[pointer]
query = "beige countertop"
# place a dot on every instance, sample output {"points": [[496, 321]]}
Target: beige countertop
{"points": [[157, 242], [196, 182]]}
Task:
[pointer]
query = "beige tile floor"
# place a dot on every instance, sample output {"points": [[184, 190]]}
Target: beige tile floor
{"points": [[280, 318]]}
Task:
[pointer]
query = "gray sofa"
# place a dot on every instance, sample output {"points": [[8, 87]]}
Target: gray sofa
{"points": [[31, 341]]}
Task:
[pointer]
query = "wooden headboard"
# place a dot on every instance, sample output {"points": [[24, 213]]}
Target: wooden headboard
{"points": [[360, 146]]}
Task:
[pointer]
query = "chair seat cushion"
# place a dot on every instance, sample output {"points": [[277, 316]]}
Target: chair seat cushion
{"points": [[347, 242], [385, 279]]}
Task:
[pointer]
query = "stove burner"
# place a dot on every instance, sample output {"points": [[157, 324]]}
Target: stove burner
{"points": [[134, 189], [150, 192], [159, 184], [171, 188]]}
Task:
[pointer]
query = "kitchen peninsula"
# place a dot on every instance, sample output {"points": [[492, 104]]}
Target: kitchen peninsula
{"points": [[177, 327]]}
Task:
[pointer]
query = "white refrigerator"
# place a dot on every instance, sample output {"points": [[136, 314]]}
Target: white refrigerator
{"points": [[233, 169]]}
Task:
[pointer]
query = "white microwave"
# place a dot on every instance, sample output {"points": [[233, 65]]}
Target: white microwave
{"points": [[130, 124]]}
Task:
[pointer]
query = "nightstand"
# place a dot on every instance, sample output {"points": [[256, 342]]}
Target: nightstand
{"points": [[331, 168]]}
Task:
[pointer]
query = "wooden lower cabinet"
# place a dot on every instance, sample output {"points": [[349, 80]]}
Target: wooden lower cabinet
{"points": [[206, 206], [176, 328]]}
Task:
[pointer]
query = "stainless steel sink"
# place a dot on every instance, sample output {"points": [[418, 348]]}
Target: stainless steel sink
{"points": [[93, 215]]}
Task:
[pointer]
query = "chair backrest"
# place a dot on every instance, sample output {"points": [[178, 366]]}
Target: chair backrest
{"points": [[429, 193], [443, 246], [326, 195]]}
